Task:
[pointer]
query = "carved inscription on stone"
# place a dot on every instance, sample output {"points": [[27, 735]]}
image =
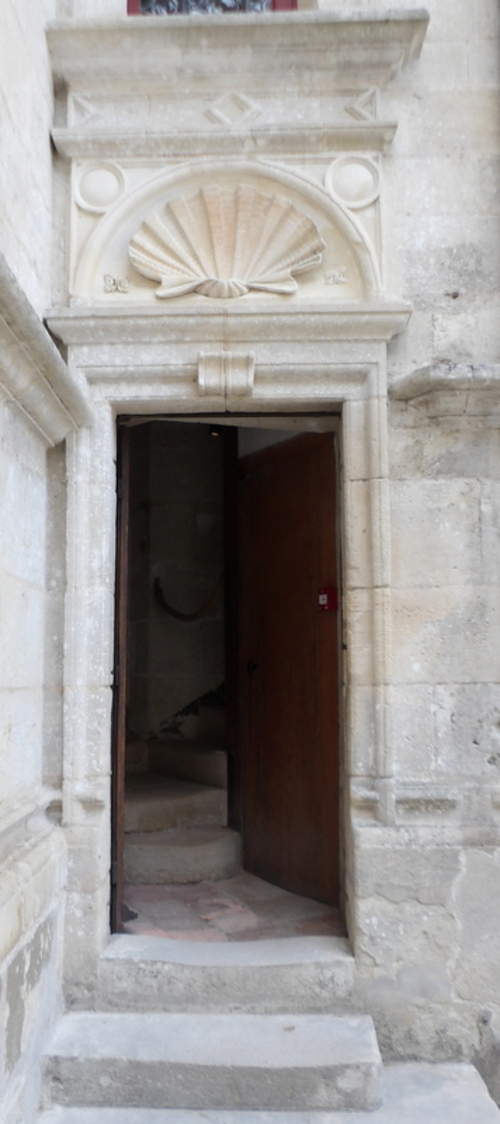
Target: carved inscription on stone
{"points": [[225, 243]]}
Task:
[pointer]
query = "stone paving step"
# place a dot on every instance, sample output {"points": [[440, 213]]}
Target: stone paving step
{"points": [[303, 974], [156, 803], [413, 1094], [206, 1061], [190, 761], [181, 855]]}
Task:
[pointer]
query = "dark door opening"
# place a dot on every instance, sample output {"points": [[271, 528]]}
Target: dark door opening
{"points": [[222, 654]]}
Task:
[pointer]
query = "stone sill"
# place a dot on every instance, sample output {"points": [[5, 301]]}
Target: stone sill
{"points": [[358, 49]]}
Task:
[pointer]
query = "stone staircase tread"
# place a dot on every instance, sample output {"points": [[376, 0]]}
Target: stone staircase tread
{"points": [[189, 837], [181, 855], [221, 1061], [155, 802], [413, 1092], [148, 786], [190, 760]]}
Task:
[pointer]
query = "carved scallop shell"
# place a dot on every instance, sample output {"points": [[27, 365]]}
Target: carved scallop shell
{"points": [[224, 243]]}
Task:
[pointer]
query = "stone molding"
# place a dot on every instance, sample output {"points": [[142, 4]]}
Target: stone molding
{"points": [[127, 88], [247, 359], [99, 143], [456, 391], [371, 48], [32, 372], [376, 320]]}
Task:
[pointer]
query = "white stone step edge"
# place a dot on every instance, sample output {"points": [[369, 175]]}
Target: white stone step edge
{"points": [[414, 1093], [297, 973], [214, 1061]]}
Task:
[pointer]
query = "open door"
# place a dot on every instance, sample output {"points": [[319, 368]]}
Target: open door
{"points": [[288, 666]]}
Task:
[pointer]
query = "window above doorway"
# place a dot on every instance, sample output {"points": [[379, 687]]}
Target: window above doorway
{"points": [[207, 7]]}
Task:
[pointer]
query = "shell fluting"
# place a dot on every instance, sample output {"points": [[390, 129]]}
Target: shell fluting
{"points": [[225, 243]]}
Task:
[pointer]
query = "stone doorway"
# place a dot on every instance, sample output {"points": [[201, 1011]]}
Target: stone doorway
{"points": [[178, 760]]}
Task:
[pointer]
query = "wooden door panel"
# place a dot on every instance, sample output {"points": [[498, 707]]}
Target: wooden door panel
{"points": [[289, 667]]}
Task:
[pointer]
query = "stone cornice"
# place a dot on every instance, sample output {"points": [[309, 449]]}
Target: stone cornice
{"points": [[79, 143], [32, 372], [358, 49], [376, 321], [452, 390]]}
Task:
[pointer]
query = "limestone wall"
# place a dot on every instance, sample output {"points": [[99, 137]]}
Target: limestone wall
{"points": [[427, 889], [427, 884], [32, 851], [32, 848], [26, 165]]}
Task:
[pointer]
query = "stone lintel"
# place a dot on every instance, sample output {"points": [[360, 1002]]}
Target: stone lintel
{"points": [[376, 321]]}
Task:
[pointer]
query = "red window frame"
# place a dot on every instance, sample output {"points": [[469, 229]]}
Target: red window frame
{"points": [[134, 6]]}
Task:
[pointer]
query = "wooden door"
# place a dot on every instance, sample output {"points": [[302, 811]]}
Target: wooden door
{"points": [[288, 674]]}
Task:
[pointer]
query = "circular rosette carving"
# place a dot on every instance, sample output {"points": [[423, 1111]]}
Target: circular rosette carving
{"points": [[224, 243]]}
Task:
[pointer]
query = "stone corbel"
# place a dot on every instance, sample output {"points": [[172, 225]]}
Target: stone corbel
{"points": [[455, 391], [226, 374]]}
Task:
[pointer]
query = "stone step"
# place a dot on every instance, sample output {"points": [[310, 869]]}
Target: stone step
{"points": [[214, 1061], [190, 761], [181, 855], [413, 1093], [155, 803], [303, 974]]}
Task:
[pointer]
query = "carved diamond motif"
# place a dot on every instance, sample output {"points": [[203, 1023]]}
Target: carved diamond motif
{"points": [[363, 106], [233, 110]]}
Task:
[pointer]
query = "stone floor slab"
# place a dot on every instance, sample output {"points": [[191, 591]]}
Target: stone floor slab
{"points": [[270, 910]]}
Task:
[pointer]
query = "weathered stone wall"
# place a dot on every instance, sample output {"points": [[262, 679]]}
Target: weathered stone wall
{"points": [[427, 885], [26, 106], [32, 850], [428, 901]]}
